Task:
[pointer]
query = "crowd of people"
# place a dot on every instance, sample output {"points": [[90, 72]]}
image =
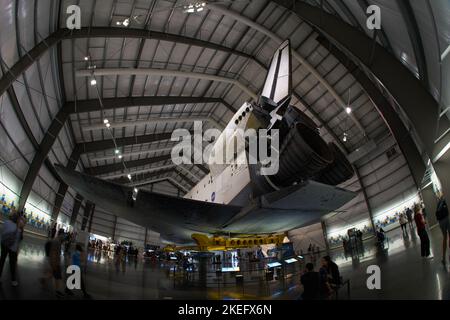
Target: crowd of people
{"points": [[53, 273]]}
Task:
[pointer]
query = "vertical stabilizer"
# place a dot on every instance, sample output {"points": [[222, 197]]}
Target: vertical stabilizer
{"points": [[278, 86]]}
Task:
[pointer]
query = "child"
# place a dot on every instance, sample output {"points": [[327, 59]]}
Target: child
{"points": [[78, 258]]}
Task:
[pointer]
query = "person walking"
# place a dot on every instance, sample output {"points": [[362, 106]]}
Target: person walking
{"points": [[442, 216], [53, 232], [54, 269], [333, 272], [409, 215], [422, 232], [79, 259], [324, 284], [11, 236], [403, 223]]}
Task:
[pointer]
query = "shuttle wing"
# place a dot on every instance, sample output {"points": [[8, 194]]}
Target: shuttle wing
{"points": [[176, 219], [289, 208]]}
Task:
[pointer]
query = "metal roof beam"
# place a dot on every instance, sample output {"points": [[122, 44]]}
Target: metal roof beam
{"points": [[112, 32], [102, 170], [55, 38], [408, 91], [388, 113], [138, 172], [143, 178], [407, 13], [92, 105], [303, 61], [150, 175], [127, 124], [164, 73], [364, 4], [101, 145]]}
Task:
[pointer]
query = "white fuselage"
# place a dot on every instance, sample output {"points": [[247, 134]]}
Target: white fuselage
{"points": [[226, 183]]}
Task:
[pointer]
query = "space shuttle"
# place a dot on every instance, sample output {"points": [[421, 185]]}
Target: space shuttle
{"points": [[236, 198]]}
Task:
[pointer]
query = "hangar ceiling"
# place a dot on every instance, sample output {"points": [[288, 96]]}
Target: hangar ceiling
{"points": [[192, 66]]}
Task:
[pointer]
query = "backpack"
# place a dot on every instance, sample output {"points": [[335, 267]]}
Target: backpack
{"points": [[48, 246], [9, 239], [442, 210]]}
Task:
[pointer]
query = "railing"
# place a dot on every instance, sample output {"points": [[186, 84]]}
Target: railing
{"points": [[283, 281]]}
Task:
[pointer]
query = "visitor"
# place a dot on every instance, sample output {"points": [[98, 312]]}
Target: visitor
{"points": [[11, 236], [54, 270], [333, 272], [311, 283], [53, 234], [79, 259], [409, 215], [403, 223], [324, 285], [442, 215], [422, 232]]}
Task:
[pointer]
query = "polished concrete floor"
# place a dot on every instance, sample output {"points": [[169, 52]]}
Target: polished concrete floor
{"points": [[404, 275]]}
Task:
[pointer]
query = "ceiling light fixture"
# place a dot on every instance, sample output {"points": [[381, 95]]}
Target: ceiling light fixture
{"points": [[345, 137], [129, 177], [117, 151], [105, 121], [93, 82], [108, 125], [194, 7], [348, 110], [126, 22], [86, 58]]}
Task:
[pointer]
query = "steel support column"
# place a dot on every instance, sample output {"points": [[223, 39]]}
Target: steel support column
{"points": [[87, 211], [91, 218], [325, 235], [63, 187], [366, 199], [114, 229], [76, 209]]}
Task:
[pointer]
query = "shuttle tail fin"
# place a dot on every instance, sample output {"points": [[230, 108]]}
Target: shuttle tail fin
{"points": [[278, 86]]}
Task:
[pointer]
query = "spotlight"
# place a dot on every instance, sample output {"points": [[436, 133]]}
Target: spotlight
{"points": [[108, 125], [117, 151], [126, 22], [118, 23], [129, 177], [195, 7], [120, 156], [93, 82], [345, 137], [135, 190], [105, 121], [348, 110], [86, 58]]}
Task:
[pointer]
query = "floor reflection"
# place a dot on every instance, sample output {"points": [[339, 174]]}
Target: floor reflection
{"points": [[403, 272]]}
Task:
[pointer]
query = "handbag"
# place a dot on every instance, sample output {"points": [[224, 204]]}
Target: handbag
{"points": [[9, 239]]}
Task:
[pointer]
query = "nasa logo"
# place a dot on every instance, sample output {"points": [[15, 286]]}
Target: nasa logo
{"points": [[213, 196]]}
